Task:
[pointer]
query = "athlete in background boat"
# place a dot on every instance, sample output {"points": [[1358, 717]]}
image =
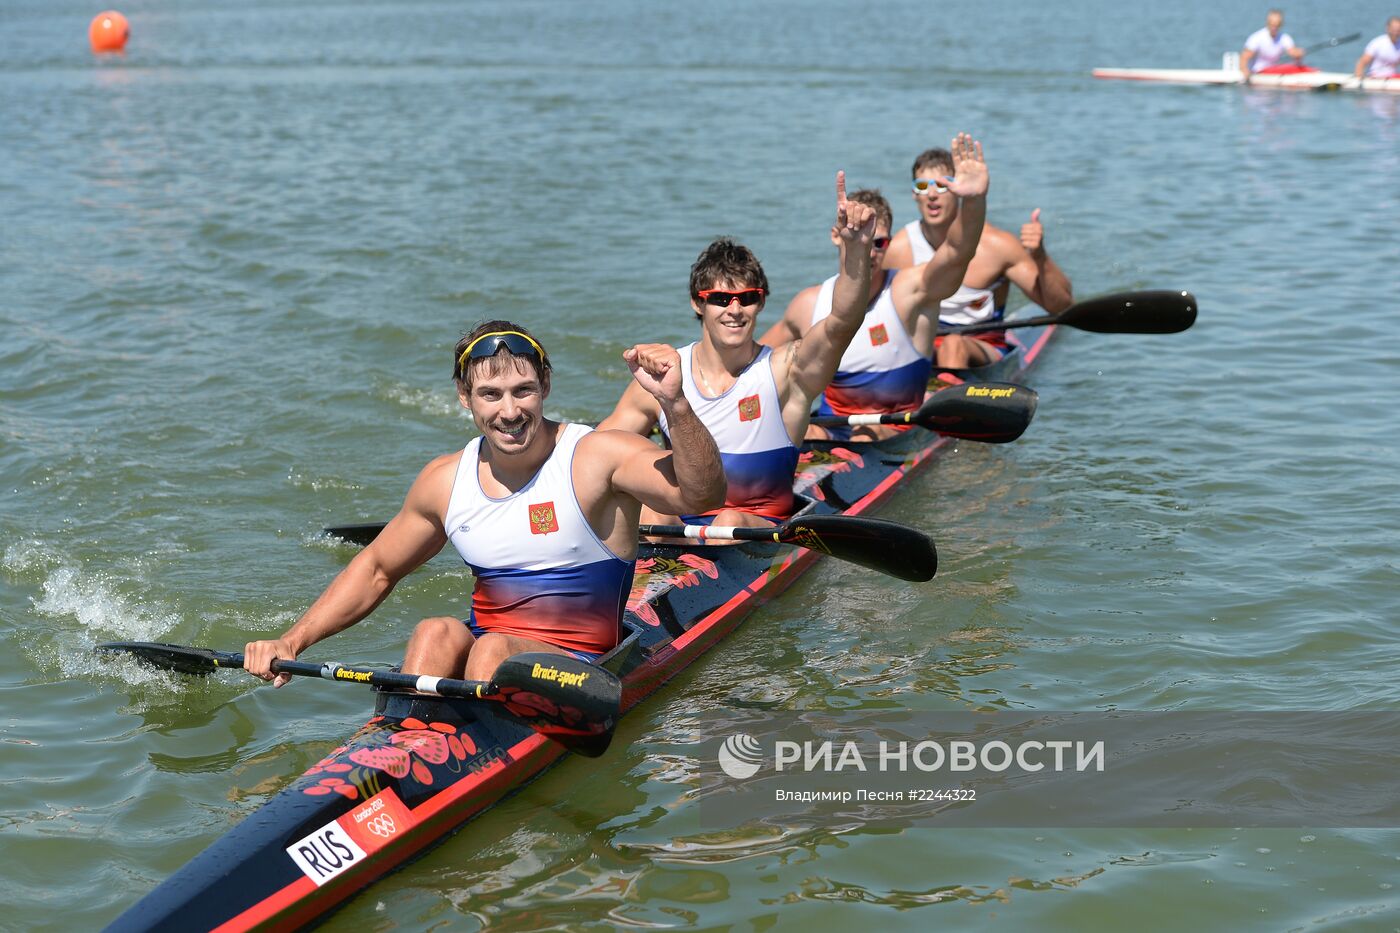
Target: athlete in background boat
{"points": [[886, 367], [1382, 56], [1001, 258], [1267, 47], [755, 401], [544, 513]]}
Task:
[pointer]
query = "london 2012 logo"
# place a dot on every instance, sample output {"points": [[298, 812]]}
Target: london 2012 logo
{"points": [[740, 756], [382, 826]]}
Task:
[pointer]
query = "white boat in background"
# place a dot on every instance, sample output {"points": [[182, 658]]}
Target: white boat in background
{"points": [[1229, 73]]}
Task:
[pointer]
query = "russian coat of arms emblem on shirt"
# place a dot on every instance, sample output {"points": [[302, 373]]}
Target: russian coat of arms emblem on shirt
{"points": [[542, 519], [878, 335], [748, 408]]}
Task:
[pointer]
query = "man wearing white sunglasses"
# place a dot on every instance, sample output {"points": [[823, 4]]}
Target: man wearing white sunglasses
{"points": [[1001, 258]]}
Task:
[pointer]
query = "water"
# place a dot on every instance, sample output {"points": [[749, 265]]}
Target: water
{"points": [[234, 261]]}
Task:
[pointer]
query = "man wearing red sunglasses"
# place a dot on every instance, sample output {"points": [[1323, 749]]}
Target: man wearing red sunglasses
{"points": [[544, 513], [1001, 257], [756, 402], [886, 367]]}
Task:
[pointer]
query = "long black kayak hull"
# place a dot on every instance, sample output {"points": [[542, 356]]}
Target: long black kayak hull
{"points": [[421, 767]]}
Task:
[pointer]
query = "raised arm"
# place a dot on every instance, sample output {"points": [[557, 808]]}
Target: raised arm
{"points": [[408, 541], [923, 287], [687, 479], [813, 359]]}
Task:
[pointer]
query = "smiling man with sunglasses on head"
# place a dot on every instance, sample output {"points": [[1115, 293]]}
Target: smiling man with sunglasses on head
{"points": [[544, 513], [754, 400], [1001, 257], [886, 367]]}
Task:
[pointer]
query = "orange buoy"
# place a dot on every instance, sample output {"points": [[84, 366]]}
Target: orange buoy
{"points": [[108, 32]]}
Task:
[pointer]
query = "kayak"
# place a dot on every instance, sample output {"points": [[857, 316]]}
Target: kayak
{"points": [[423, 766], [1287, 77]]}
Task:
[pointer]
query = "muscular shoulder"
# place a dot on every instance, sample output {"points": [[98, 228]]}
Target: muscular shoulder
{"points": [[1000, 245], [799, 310], [900, 255], [433, 487]]}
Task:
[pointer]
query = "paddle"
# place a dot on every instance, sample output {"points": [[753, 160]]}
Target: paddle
{"points": [[570, 701], [1330, 43], [1147, 312], [991, 412], [873, 543]]}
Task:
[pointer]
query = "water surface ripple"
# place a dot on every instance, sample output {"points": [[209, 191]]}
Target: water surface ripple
{"points": [[234, 260]]}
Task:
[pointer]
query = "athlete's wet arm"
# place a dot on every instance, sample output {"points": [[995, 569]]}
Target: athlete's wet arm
{"points": [[687, 479], [699, 472], [1362, 64], [818, 354], [1042, 279], [409, 540], [636, 412]]}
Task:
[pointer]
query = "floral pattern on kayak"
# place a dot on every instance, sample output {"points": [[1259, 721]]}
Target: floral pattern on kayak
{"points": [[657, 574], [411, 747]]}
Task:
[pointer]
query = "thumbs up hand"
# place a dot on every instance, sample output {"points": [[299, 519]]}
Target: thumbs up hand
{"points": [[1033, 234]]}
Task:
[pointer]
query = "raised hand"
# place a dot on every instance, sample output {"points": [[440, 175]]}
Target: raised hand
{"points": [[1033, 234], [657, 368], [969, 179], [855, 222]]}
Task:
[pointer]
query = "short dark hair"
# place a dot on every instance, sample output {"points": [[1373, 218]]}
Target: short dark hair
{"points": [[932, 158], [463, 370], [725, 259], [872, 198]]}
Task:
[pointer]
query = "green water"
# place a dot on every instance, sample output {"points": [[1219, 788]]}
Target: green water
{"points": [[235, 260]]}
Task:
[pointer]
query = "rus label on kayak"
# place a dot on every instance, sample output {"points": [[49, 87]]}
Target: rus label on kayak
{"points": [[325, 853], [563, 678], [354, 836]]}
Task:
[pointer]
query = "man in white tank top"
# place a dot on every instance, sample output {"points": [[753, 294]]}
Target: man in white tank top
{"points": [[1268, 47], [885, 368], [1001, 257], [1382, 56], [545, 514], [754, 401]]}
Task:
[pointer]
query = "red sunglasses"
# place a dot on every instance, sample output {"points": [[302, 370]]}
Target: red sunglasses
{"points": [[720, 298]]}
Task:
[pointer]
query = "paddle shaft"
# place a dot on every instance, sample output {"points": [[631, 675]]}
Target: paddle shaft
{"points": [[712, 532], [1330, 43], [331, 670]]}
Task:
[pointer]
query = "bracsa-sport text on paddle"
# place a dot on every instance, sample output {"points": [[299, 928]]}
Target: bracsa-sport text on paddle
{"points": [[575, 703], [990, 412], [873, 543], [1147, 312]]}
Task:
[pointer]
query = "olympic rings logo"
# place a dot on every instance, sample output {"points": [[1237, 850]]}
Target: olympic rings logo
{"points": [[382, 826]]}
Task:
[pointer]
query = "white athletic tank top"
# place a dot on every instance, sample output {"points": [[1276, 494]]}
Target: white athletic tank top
{"points": [[965, 306], [880, 370], [540, 570], [746, 422]]}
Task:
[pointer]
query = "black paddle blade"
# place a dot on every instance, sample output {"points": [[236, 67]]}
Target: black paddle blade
{"points": [[356, 534], [175, 657], [1147, 312], [990, 412], [572, 702], [873, 543]]}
